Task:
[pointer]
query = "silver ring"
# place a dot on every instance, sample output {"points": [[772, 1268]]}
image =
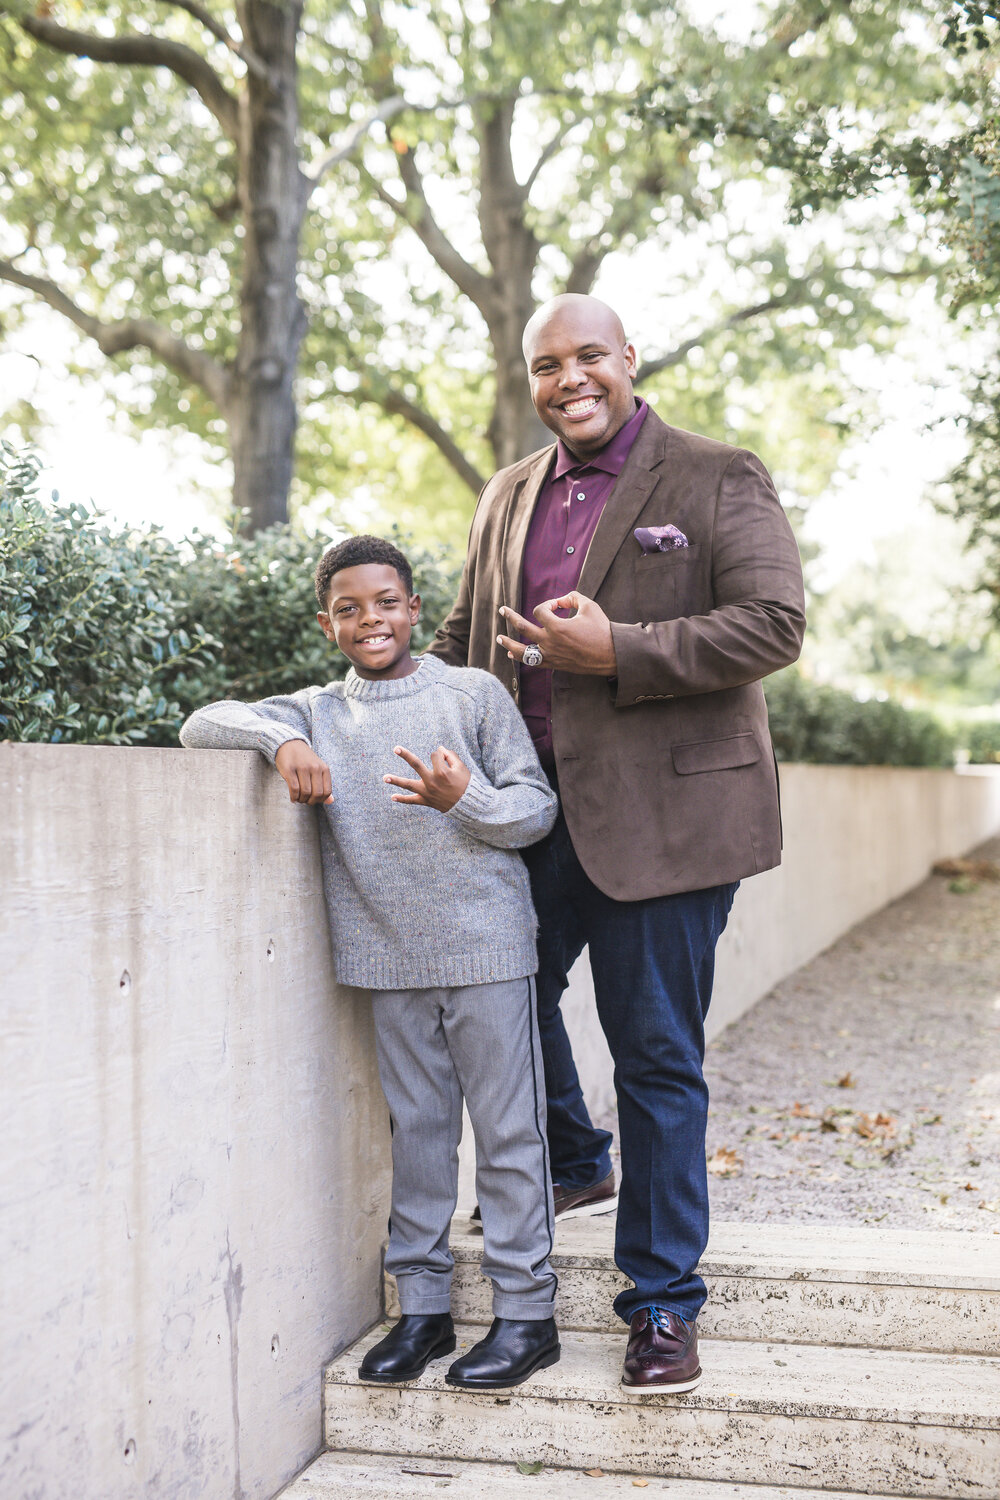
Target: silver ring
{"points": [[532, 657]]}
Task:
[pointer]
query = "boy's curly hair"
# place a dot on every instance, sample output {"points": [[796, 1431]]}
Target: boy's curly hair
{"points": [[354, 552]]}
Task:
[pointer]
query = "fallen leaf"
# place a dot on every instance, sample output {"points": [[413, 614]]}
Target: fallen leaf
{"points": [[725, 1163], [981, 869], [640, 1484], [528, 1466], [801, 1111], [963, 886], [970, 1189], [847, 1082], [594, 1473]]}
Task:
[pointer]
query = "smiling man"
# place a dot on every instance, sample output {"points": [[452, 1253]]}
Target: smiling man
{"points": [[631, 585]]}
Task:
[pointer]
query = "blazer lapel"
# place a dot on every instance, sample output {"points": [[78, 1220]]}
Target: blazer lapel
{"points": [[634, 485], [518, 519]]}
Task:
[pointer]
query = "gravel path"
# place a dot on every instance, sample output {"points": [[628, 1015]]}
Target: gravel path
{"points": [[866, 1086]]}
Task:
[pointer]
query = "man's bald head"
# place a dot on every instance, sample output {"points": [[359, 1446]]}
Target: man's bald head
{"points": [[580, 369], [576, 308]]}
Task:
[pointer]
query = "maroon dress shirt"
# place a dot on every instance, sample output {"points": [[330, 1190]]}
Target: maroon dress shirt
{"points": [[564, 521]]}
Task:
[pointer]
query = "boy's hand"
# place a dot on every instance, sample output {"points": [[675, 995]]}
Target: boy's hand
{"points": [[306, 776], [439, 785]]}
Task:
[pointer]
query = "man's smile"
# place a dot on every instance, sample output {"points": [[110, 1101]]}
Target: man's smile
{"points": [[580, 406]]}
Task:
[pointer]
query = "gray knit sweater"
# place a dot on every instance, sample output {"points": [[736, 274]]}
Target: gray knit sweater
{"points": [[417, 898]]}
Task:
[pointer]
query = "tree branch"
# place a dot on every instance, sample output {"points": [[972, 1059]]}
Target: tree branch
{"points": [[625, 216], [793, 297], [254, 64], [144, 52], [547, 153], [386, 111], [130, 333], [397, 404]]}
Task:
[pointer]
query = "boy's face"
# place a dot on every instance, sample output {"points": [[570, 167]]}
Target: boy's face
{"points": [[370, 616]]}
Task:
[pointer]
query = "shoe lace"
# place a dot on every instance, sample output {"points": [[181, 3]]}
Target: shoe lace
{"points": [[657, 1318]]}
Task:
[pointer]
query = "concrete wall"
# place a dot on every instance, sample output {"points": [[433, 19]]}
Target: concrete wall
{"points": [[856, 838], [193, 1153]]}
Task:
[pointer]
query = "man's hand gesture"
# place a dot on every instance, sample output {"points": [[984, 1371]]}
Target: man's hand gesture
{"points": [[440, 785], [306, 776], [582, 643]]}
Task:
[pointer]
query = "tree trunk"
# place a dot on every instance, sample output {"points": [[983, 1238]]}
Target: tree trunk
{"points": [[273, 197], [512, 249]]}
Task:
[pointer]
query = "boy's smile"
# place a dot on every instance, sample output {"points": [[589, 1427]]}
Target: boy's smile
{"points": [[370, 616]]}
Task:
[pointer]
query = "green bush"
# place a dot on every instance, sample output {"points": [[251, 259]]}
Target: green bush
{"points": [[983, 742], [115, 637], [827, 726], [90, 640]]}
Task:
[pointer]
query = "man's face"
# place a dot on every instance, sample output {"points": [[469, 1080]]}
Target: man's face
{"points": [[580, 371], [370, 616]]}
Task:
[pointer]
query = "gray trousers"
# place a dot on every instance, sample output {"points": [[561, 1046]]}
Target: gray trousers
{"points": [[433, 1046]]}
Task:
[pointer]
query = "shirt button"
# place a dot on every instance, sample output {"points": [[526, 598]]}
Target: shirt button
{"points": [[580, 495], [570, 551]]}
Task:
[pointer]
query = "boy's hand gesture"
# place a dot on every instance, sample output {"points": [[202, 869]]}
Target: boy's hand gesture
{"points": [[440, 785], [306, 776]]}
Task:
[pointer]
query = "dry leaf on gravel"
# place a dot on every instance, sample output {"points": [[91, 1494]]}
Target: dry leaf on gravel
{"points": [[526, 1466], [725, 1163], [594, 1473], [978, 869], [847, 1082], [640, 1484]]}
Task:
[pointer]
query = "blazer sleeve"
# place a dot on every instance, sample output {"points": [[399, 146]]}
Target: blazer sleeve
{"points": [[757, 619]]}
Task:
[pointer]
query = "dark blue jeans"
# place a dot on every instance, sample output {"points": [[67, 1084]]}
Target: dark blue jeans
{"points": [[653, 964]]}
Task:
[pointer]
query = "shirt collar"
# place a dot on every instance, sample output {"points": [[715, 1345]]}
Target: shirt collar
{"points": [[611, 458]]}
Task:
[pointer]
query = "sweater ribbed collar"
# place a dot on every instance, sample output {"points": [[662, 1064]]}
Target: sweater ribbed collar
{"points": [[429, 670]]}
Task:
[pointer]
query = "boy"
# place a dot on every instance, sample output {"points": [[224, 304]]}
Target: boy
{"points": [[430, 909]]}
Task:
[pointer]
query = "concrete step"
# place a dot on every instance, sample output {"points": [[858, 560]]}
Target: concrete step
{"points": [[778, 1414], [344, 1476], [929, 1291]]}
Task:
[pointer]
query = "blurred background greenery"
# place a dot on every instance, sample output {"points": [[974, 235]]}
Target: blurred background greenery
{"points": [[796, 206]]}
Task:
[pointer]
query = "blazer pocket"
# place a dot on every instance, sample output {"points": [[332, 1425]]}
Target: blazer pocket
{"points": [[715, 755], [649, 562], [662, 581]]}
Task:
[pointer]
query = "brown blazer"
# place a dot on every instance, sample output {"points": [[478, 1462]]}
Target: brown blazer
{"points": [[666, 774]]}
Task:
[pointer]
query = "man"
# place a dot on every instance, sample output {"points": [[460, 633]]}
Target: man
{"points": [[631, 585]]}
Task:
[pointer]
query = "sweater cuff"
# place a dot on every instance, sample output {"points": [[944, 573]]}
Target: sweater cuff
{"points": [[475, 805], [274, 736]]}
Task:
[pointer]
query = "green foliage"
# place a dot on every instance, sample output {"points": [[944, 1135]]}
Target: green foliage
{"points": [[983, 742], [115, 637], [826, 726], [90, 640]]}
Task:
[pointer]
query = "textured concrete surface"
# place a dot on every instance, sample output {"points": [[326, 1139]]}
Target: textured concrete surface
{"points": [[903, 1424], [341, 1476], [193, 1168], [866, 1087], [807, 1284]]}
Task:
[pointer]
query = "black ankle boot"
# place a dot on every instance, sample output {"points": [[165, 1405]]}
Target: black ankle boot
{"points": [[508, 1355], [409, 1347]]}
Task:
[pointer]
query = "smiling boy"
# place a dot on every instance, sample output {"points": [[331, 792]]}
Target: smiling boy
{"points": [[430, 909]]}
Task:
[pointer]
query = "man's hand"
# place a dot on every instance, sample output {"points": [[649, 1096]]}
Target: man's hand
{"points": [[440, 785], [306, 776], [581, 644]]}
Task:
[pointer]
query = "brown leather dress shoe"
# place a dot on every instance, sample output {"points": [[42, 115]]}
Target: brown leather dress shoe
{"points": [[662, 1352], [571, 1203], [579, 1203]]}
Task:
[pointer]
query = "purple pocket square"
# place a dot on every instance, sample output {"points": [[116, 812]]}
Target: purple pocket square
{"points": [[660, 538]]}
